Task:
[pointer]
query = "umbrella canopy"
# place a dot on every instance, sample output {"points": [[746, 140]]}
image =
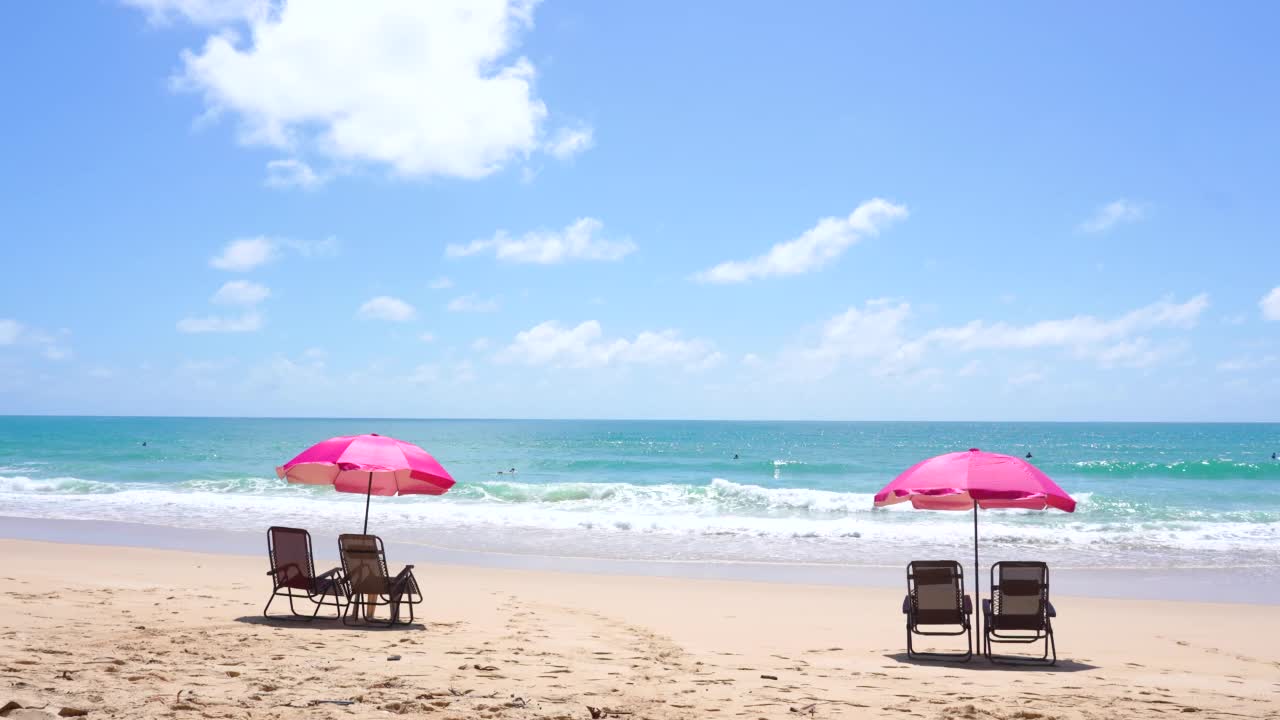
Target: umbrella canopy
{"points": [[371, 464], [972, 480], [956, 481]]}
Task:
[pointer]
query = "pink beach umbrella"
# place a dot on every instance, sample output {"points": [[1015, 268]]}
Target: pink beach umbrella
{"points": [[975, 479], [371, 464]]}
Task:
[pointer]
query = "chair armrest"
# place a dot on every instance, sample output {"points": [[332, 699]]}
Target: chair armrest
{"points": [[906, 604], [273, 571], [986, 607], [1048, 607], [968, 605], [336, 573]]}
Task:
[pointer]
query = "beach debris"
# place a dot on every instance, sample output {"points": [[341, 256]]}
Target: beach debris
{"points": [[72, 712], [601, 712], [484, 668], [392, 658], [518, 702], [809, 709], [768, 677], [344, 703], [10, 707]]}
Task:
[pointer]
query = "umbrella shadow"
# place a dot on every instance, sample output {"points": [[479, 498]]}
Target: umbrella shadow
{"points": [[319, 623], [981, 663]]}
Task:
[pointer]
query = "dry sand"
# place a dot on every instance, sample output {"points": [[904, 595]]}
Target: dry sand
{"points": [[136, 633]]}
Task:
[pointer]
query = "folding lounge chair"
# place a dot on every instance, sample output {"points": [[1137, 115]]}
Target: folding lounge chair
{"points": [[368, 584], [293, 573], [1019, 611], [936, 598]]}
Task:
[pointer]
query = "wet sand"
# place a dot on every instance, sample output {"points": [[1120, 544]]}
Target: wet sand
{"points": [[147, 633]]}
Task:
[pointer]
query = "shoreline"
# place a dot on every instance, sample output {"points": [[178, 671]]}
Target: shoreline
{"points": [[1242, 586]]}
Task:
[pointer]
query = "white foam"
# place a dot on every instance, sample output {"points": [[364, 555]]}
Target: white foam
{"points": [[733, 519]]}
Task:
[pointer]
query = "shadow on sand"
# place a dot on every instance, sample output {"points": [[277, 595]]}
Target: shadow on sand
{"points": [[320, 623], [981, 663]]}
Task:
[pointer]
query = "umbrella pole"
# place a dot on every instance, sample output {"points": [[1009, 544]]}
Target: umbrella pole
{"points": [[977, 577], [369, 493], [368, 608]]}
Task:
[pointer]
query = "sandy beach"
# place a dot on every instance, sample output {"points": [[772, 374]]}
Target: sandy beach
{"points": [[141, 633]]}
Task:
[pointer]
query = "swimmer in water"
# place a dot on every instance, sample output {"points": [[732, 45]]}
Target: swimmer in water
{"points": [[1028, 456], [735, 456]]}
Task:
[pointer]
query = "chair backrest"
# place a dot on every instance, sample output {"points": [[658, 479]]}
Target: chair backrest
{"points": [[364, 563], [936, 589], [1019, 592], [290, 552]]}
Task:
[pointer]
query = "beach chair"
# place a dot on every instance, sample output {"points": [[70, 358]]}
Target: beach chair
{"points": [[293, 574], [1019, 611], [369, 586], [936, 599]]}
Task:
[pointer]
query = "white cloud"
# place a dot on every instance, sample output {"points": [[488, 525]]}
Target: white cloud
{"points": [[441, 283], [876, 334], [813, 249], [9, 331], [250, 321], [1247, 363], [970, 369], [480, 344], [245, 254], [241, 292], [1082, 332], [101, 373], [50, 345], [578, 241], [1270, 304], [584, 346], [570, 141], [471, 303], [427, 337], [873, 332], [200, 12], [424, 88], [385, 307], [1112, 214], [292, 172]]}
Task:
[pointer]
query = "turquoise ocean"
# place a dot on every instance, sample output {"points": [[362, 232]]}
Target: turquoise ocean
{"points": [[1150, 495]]}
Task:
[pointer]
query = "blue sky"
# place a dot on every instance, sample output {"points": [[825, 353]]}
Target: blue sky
{"points": [[831, 210]]}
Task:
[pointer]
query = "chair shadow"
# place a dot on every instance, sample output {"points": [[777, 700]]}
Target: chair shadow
{"points": [[981, 663], [319, 623]]}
